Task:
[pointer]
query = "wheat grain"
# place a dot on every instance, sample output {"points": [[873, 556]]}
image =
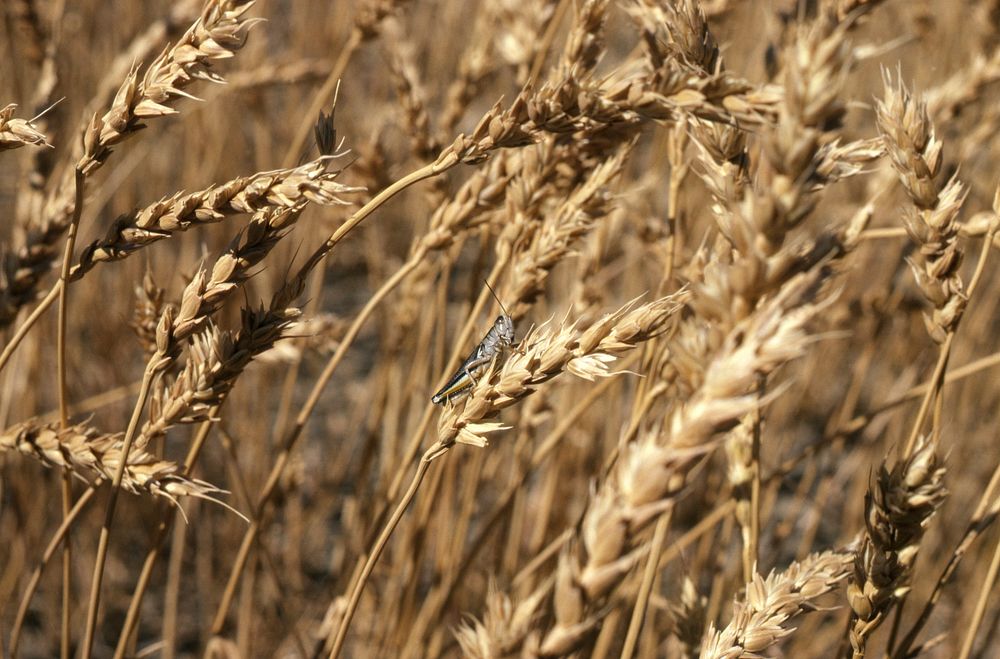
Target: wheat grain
{"points": [[917, 156], [547, 352], [761, 620], [15, 132], [91, 454], [215, 360], [218, 33], [279, 196], [898, 508]]}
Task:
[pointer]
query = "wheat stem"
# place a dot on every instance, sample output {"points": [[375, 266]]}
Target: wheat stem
{"points": [[157, 545], [646, 586], [29, 322], [443, 163], [981, 602], [67, 490], [36, 575], [378, 547], [94, 600], [414, 443], [64, 301], [293, 434]]}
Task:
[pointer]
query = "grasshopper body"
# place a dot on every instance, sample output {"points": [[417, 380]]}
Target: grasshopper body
{"points": [[499, 338]]}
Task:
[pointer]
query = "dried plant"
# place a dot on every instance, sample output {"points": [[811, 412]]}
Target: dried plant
{"points": [[898, 508], [15, 133], [215, 360], [219, 32], [149, 306], [688, 616], [653, 471], [759, 622], [273, 223], [279, 196], [916, 154], [546, 353], [216, 34], [91, 454], [502, 628]]}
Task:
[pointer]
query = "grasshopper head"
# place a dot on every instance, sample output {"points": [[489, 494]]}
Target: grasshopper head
{"points": [[504, 327]]}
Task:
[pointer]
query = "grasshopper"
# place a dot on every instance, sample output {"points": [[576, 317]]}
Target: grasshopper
{"points": [[499, 338]]}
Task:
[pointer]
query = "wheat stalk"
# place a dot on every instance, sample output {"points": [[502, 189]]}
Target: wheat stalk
{"points": [[217, 34], [547, 352], [688, 619], [149, 306], [215, 360], [545, 147], [653, 470]]}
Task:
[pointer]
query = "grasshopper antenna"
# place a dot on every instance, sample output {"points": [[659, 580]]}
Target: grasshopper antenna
{"points": [[505, 312]]}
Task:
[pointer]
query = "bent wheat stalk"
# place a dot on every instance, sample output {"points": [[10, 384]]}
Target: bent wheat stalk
{"points": [[549, 351]]}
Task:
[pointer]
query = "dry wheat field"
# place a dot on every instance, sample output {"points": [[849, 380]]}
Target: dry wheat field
{"points": [[749, 250]]}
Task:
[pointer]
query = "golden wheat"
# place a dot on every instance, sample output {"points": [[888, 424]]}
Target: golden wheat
{"points": [[748, 249]]}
